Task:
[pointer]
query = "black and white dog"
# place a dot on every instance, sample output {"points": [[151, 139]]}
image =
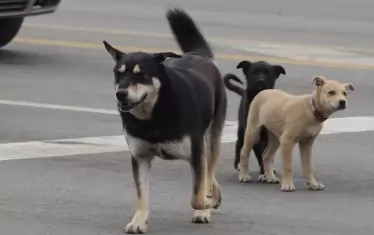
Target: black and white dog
{"points": [[173, 108], [259, 76]]}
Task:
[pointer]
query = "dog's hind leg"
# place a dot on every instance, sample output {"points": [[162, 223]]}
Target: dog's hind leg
{"points": [[213, 140], [199, 165], [238, 146], [203, 216], [215, 150], [268, 159], [259, 149], [141, 169], [251, 136], [306, 164]]}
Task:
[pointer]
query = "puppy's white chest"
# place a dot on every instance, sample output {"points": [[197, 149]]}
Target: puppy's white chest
{"points": [[311, 131], [175, 150]]}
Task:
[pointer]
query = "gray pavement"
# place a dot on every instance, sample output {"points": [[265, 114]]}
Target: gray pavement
{"points": [[58, 59]]}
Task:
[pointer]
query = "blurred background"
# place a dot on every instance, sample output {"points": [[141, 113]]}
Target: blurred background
{"points": [[64, 165]]}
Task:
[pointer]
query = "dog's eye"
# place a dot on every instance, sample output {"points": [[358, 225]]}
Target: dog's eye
{"points": [[344, 93], [332, 92]]}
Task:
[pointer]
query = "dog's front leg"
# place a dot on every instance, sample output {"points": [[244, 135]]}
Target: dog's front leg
{"points": [[306, 164], [286, 146], [141, 167], [268, 159]]}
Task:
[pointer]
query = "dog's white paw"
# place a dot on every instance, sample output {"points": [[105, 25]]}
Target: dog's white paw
{"points": [[261, 178], [243, 178], [270, 179], [134, 228], [316, 186], [139, 223], [288, 187], [201, 216], [217, 196]]}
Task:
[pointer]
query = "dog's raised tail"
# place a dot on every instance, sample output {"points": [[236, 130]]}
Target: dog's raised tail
{"points": [[226, 79], [187, 34]]}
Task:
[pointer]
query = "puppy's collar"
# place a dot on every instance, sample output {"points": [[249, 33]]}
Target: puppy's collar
{"points": [[316, 113]]}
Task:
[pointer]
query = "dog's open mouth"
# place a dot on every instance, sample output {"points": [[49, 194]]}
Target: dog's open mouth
{"points": [[128, 105]]}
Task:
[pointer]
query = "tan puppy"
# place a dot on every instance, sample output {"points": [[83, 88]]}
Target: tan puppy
{"points": [[291, 119]]}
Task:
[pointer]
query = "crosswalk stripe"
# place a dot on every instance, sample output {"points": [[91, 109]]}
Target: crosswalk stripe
{"points": [[107, 144]]}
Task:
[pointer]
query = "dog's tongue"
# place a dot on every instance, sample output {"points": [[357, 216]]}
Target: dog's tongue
{"points": [[124, 106]]}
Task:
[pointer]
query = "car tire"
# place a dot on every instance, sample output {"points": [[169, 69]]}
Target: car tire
{"points": [[9, 28]]}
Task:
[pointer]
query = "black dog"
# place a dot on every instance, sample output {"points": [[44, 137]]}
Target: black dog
{"points": [[259, 76], [174, 109]]}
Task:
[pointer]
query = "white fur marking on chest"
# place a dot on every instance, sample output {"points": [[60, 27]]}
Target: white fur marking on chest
{"points": [[177, 149], [172, 150], [137, 146]]}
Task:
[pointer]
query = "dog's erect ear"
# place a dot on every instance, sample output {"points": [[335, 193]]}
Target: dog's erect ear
{"points": [[278, 70], [349, 86], [319, 80], [116, 54], [245, 65], [161, 56]]}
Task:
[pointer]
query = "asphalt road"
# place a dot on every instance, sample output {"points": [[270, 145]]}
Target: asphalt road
{"points": [[58, 59]]}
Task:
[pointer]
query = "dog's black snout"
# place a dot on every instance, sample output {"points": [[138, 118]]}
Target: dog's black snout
{"points": [[121, 95], [342, 103], [261, 84], [260, 81]]}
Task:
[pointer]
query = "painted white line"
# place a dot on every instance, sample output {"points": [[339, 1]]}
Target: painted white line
{"points": [[106, 144], [72, 108], [56, 106], [103, 144], [348, 125], [62, 147], [78, 146], [333, 125]]}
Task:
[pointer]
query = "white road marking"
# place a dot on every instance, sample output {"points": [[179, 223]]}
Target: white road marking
{"points": [[104, 144], [56, 106], [79, 146], [62, 147], [348, 124]]}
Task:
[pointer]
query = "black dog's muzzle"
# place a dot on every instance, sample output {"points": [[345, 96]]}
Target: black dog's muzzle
{"points": [[124, 103], [121, 95], [261, 84]]}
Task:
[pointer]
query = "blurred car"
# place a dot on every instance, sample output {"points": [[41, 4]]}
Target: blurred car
{"points": [[13, 12]]}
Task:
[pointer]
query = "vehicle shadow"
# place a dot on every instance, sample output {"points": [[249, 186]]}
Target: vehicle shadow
{"points": [[16, 57]]}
